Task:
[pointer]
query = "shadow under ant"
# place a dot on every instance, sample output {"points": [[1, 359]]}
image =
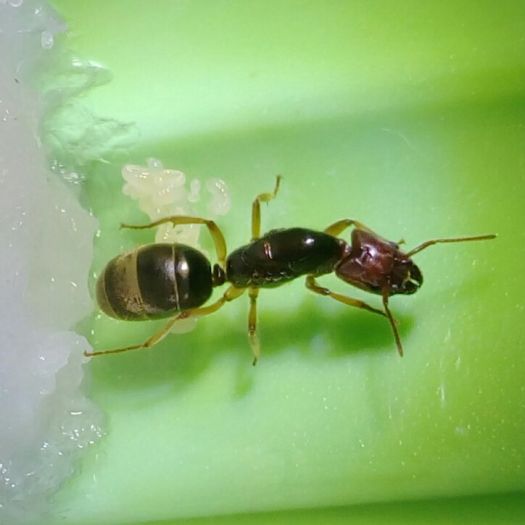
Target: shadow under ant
{"points": [[180, 359]]}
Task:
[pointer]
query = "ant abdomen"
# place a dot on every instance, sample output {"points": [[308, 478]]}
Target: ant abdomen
{"points": [[154, 282]]}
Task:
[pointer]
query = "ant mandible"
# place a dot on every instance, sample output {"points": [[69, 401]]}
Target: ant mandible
{"points": [[175, 280]]}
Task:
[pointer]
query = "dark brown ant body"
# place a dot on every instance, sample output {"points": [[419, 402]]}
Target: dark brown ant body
{"points": [[175, 280]]}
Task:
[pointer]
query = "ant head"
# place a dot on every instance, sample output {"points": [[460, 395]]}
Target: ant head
{"points": [[405, 277], [378, 266]]}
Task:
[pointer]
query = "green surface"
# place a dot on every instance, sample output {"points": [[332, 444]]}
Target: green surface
{"points": [[409, 118], [493, 510]]}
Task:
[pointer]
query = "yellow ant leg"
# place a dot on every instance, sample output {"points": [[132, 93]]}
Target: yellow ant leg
{"points": [[337, 227], [229, 295], [215, 232], [252, 325], [254, 292], [256, 208], [392, 322], [312, 285]]}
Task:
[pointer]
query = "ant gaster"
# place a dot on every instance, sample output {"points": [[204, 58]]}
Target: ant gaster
{"points": [[174, 280]]}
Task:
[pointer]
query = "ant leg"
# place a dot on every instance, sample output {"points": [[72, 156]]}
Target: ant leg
{"points": [[392, 322], [256, 208], [312, 285], [426, 244], [229, 295], [148, 343], [215, 232], [252, 325], [337, 227]]}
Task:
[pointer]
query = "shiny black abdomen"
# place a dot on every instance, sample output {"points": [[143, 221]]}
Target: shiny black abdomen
{"points": [[154, 281], [282, 255]]}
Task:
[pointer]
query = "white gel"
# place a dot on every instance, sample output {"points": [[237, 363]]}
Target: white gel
{"points": [[46, 251]]}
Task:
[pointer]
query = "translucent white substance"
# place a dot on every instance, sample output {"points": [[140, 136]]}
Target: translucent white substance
{"points": [[46, 250], [161, 193]]}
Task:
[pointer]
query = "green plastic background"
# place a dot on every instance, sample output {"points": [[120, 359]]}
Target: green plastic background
{"points": [[407, 117]]}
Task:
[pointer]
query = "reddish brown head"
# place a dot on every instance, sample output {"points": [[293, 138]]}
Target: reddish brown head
{"points": [[378, 266]]}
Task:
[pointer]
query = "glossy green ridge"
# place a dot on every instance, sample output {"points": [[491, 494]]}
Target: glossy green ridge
{"points": [[408, 118]]}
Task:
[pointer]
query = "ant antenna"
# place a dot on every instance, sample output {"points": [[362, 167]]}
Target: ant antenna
{"points": [[426, 244]]}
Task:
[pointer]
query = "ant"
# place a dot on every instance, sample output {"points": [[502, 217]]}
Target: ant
{"points": [[174, 280]]}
